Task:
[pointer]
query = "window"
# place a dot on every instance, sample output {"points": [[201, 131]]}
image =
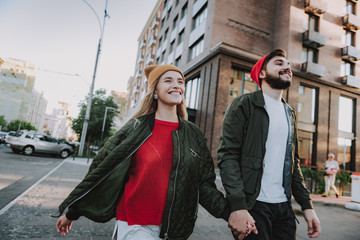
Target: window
{"points": [[192, 93], [350, 8], [172, 46], [309, 55], [306, 115], [168, 14], [162, 23], [199, 18], [240, 84], [158, 61], [196, 48], [177, 2], [181, 37], [162, 56], [348, 39], [184, 11], [175, 22], [166, 34], [346, 135], [313, 23], [178, 62], [346, 68], [165, 3], [160, 42]]}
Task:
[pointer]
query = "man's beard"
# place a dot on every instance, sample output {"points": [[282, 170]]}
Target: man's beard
{"points": [[277, 82]]}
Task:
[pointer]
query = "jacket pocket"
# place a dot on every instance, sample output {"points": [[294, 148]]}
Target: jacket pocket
{"points": [[250, 168]]}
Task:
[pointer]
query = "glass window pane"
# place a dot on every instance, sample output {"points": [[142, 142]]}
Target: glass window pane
{"points": [[305, 146], [344, 153], [307, 98], [345, 114], [249, 84]]}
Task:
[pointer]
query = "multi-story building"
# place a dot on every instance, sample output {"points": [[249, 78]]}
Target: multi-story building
{"points": [[145, 56], [216, 43], [120, 98], [58, 124], [18, 98]]}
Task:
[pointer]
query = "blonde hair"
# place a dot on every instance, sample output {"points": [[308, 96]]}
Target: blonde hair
{"points": [[150, 105]]}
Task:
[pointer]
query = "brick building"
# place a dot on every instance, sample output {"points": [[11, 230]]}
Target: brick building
{"points": [[216, 43]]}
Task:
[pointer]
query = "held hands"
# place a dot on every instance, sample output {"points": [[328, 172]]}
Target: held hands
{"points": [[63, 225], [313, 222], [241, 224]]}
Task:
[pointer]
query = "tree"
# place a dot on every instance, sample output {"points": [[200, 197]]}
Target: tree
{"points": [[3, 123], [99, 103], [17, 124]]}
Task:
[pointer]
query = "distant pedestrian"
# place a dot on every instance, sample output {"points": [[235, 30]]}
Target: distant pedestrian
{"points": [[258, 158], [331, 168], [152, 173]]}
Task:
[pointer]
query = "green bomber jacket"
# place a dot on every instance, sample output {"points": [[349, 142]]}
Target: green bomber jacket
{"points": [[191, 179], [242, 150]]}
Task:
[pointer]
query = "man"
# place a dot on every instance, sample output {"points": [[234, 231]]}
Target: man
{"points": [[258, 158]]}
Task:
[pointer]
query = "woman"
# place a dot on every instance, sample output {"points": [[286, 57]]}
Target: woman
{"points": [[331, 168], [152, 173]]}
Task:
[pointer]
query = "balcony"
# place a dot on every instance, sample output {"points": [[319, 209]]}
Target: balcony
{"points": [[164, 45], [315, 7], [152, 41], [351, 21], [197, 33], [313, 69], [173, 34], [179, 50], [140, 59], [155, 23], [313, 39], [351, 81], [150, 59], [142, 44], [350, 53], [169, 4], [182, 24], [197, 6]]}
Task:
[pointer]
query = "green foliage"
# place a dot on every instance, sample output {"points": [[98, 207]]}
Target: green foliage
{"points": [[3, 123], [99, 103], [17, 124], [344, 177]]}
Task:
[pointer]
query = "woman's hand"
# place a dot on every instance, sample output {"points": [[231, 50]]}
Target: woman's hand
{"points": [[63, 225]]}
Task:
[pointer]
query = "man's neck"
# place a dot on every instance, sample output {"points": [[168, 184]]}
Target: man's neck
{"points": [[271, 92]]}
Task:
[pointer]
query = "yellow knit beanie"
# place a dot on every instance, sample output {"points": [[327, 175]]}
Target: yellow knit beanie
{"points": [[154, 72]]}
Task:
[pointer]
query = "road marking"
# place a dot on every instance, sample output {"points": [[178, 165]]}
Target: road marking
{"points": [[7, 207]]}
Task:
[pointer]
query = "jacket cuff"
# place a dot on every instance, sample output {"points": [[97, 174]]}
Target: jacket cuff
{"points": [[238, 204], [72, 215], [306, 205]]}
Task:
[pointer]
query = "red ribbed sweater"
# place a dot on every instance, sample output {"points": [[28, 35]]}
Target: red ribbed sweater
{"points": [[144, 197]]}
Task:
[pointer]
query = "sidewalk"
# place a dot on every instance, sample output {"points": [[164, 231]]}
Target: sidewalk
{"points": [[29, 217]]}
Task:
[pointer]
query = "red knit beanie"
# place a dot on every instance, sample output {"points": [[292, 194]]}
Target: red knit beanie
{"points": [[255, 71]]}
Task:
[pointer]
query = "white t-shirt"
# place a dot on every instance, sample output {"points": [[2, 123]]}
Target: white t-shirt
{"points": [[332, 166], [272, 190]]}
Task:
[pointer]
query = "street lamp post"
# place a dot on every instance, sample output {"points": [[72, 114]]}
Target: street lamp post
{"points": [[88, 108], [103, 126]]}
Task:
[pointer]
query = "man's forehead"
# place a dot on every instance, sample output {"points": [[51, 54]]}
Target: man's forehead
{"points": [[279, 59]]}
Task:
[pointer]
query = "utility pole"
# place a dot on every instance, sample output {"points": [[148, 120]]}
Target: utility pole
{"points": [[88, 108]]}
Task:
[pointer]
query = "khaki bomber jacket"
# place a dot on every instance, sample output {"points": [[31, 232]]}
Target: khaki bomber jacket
{"points": [[242, 149], [191, 179]]}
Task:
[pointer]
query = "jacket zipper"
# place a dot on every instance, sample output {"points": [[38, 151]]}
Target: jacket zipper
{"points": [[173, 199], [109, 172], [193, 153]]}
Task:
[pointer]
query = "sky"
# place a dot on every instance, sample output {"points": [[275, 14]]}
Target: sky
{"points": [[60, 37]]}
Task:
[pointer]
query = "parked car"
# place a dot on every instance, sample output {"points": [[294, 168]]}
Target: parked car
{"points": [[29, 142], [2, 137], [7, 134]]}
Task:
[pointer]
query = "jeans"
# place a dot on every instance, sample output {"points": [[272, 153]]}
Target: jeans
{"points": [[274, 221]]}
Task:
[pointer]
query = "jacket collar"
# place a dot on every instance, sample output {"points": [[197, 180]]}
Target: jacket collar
{"points": [[258, 99], [151, 121]]}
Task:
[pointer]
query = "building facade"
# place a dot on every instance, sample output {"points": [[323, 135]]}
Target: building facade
{"points": [[19, 100], [216, 43]]}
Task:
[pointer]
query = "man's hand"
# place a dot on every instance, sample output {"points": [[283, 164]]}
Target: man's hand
{"points": [[241, 224], [313, 222], [63, 225]]}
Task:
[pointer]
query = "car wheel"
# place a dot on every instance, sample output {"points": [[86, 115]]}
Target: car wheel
{"points": [[64, 154], [28, 150]]}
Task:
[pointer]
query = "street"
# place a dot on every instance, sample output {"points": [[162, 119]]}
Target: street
{"points": [[28, 216]]}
